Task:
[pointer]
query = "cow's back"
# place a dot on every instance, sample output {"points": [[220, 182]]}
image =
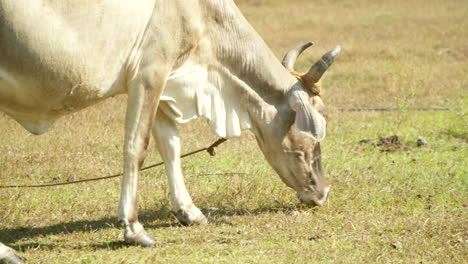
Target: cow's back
{"points": [[59, 56]]}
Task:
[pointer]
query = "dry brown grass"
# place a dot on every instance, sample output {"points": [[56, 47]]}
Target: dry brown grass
{"points": [[391, 49]]}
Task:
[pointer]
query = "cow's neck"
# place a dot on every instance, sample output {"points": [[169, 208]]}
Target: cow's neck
{"points": [[249, 64], [230, 76]]}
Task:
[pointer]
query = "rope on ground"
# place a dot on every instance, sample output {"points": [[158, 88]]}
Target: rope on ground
{"points": [[387, 109], [210, 150]]}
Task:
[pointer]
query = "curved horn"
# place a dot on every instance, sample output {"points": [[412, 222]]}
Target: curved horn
{"points": [[290, 57], [319, 68]]}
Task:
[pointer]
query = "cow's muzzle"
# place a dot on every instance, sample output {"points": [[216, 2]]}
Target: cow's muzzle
{"points": [[311, 198]]}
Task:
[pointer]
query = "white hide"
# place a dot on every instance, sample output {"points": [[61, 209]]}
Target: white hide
{"points": [[8, 255], [192, 91], [76, 39]]}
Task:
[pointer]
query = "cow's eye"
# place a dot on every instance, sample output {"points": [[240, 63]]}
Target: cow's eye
{"points": [[311, 179]]}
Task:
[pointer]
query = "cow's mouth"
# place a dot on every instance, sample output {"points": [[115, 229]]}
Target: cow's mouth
{"points": [[314, 198]]}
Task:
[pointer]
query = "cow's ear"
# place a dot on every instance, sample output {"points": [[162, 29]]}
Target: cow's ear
{"points": [[308, 119]]}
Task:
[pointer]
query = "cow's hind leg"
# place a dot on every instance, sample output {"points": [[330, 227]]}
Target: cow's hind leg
{"points": [[168, 143], [143, 98], [9, 256]]}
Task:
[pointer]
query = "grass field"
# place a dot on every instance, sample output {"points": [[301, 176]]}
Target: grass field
{"points": [[388, 204]]}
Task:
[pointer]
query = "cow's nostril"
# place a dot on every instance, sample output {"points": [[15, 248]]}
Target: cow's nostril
{"points": [[323, 197]]}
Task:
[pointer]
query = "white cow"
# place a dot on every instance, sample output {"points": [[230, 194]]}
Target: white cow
{"points": [[176, 60]]}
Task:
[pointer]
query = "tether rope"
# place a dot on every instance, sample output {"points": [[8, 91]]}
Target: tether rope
{"points": [[387, 109], [210, 150]]}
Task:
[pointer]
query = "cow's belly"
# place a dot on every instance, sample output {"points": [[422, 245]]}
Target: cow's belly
{"points": [[37, 102]]}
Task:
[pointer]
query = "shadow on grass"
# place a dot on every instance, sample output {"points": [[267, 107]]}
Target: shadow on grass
{"points": [[12, 236], [283, 208]]}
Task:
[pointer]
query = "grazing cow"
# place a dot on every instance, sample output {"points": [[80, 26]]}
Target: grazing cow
{"points": [[176, 60]]}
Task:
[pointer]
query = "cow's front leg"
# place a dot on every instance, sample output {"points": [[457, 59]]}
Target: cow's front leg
{"points": [[9, 256], [168, 143], [143, 98]]}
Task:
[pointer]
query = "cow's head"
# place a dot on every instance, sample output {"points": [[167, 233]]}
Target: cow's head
{"points": [[293, 145]]}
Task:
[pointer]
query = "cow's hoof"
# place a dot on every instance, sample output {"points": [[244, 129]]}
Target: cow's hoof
{"points": [[195, 217], [11, 258], [141, 238]]}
